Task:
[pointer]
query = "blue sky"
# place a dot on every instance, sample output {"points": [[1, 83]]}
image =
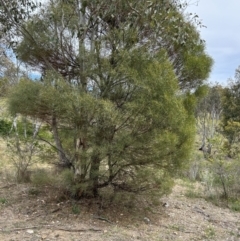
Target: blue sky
{"points": [[222, 35]]}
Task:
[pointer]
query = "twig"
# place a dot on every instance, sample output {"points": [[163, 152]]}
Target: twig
{"points": [[182, 231], [52, 227], [80, 230], [56, 210], [23, 228], [102, 218], [9, 185]]}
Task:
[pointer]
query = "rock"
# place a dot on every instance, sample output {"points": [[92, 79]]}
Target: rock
{"points": [[165, 205], [136, 236], [146, 220], [44, 236], [30, 231]]}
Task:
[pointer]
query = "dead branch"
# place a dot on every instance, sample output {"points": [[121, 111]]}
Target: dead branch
{"points": [[9, 185], [102, 218], [80, 230], [52, 227]]}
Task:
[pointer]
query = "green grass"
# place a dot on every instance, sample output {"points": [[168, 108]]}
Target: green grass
{"points": [[234, 205], [210, 233], [177, 228], [190, 193], [33, 192], [75, 209], [3, 200], [190, 186], [41, 177]]}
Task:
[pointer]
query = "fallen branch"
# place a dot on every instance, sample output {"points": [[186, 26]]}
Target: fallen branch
{"points": [[80, 230], [56, 210], [52, 227], [102, 218], [23, 228], [9, 185], [182, 231]]}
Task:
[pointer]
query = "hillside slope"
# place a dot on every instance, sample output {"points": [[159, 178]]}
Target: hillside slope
{"points": [[27, 214]]}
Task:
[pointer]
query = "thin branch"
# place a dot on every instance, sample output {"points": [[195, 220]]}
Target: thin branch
{"points": [[102, 218], [41, 139], [8, 186], [52, 227]]}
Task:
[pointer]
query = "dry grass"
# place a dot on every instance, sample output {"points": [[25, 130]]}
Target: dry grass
{"points": [[41, 211]]}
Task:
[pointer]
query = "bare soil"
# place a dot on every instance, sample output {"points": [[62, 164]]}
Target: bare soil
{"points": [[31, 214]]}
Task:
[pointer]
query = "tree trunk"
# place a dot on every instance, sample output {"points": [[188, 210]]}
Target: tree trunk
{"points": [[80, 166], [63, 161], [94, 174]]}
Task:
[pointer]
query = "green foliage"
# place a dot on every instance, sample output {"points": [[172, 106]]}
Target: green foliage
{"points": [[179, 228], [3, 86], [231, 117], [67, 183], [33, 191], [208, 111], [5, 127], [125, 25], [191, 189], [3, 200], [142, 135], [41, 178], [24, 147], [202, 91], [192, 194], [232, 131], [27, 91], [221, 174], [9, 72], [115, 107], [210, 233], [197, 66], [76, 209], [19, 10], [234, 205]]}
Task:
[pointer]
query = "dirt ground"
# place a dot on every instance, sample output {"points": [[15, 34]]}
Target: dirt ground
{"points": [[27, 214]]}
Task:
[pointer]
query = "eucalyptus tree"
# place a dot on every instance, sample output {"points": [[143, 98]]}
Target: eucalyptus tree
{"points": [[208, 111], [73, 28], [231, 103], [112, 89], [8, 72]]}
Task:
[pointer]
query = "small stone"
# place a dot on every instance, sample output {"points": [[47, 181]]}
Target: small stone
{"points": [[165, 205], [105, 231], [30, 231], [146, 220], [44, 236]]}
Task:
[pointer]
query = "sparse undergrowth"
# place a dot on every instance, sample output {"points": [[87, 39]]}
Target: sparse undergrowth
{"points": [[39, 212], [118, 216], [197, 190]]}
